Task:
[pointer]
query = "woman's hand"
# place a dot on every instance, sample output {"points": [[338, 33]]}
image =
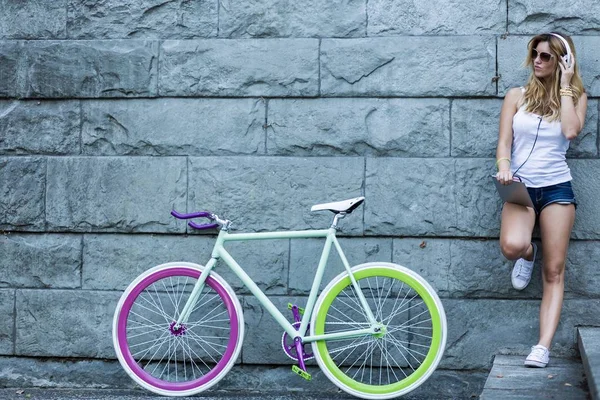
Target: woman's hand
{"points": [[567, 72], [505, 177]]}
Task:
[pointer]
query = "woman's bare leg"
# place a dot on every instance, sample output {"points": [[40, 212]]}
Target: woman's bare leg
{"points": [[556, 223], [515, 231]]}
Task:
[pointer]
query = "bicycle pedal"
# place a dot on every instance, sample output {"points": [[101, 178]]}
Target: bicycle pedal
{"points": [[300, 310], [301, 372]]}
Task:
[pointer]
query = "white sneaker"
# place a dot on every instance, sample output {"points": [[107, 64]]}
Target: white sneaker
{"points": [[521, 273], [538, 357]]}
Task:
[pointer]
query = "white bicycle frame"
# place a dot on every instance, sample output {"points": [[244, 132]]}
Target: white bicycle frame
{"points": [[219, 252]]}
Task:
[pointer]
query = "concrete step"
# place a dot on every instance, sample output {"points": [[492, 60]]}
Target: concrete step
{"points": [[562, 379], [589, 347]]}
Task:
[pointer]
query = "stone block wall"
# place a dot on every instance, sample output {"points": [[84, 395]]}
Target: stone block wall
{"points": [[113, 113]]}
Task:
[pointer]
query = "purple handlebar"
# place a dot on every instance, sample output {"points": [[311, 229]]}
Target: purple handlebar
{"points": [[200, 214]]}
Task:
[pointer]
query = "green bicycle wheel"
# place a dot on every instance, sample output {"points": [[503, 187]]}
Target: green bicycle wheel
{"points": [[408, 347]]}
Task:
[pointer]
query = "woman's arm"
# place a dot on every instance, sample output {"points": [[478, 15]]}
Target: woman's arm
{"points": [[505, 135], [572, 117]]}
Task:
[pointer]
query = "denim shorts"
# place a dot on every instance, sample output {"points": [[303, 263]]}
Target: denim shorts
{"points": [[561, 193]]}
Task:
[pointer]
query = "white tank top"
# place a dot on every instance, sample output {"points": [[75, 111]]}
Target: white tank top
{"points": [[547, 164]]}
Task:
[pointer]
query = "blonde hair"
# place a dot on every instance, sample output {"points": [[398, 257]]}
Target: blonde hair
{"points": [[536, 98]]}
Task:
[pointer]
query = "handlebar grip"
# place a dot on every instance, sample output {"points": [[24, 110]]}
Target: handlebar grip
{"points": [[200, 214], [202, 226]]}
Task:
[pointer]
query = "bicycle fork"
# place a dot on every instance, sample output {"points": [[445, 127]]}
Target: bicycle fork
{"points": [[193, 298]]}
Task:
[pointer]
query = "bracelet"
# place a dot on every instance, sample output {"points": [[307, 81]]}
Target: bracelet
{"points": [[501, 159], [567, 91]]}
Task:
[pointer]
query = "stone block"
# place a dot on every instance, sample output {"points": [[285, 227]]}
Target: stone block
{"points": [[40, 261], [65, 323], [141, 19], [292, 19], [389, 17], [22, 191], [32, 19], [174, 127], [10, 54], [359, 127], [7, 314], [408, 67], [276, 193], [27, 372], [435, 197], [39, 127], [115, 194], [475, 127], [306, 253], [582, 275], [112, 262], [480, 329], [512, 52], [429, 258], [533, 16], [238, 68], [91, 68], [479, 270], [587, 193]]}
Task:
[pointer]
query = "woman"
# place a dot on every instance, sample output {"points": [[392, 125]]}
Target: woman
{"points": [[537, 122]]}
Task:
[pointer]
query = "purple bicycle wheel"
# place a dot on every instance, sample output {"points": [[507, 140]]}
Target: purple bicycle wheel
{"points": [[174, 360]]}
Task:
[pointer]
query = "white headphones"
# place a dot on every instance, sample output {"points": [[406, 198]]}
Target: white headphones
{"points": [[569, 56]]}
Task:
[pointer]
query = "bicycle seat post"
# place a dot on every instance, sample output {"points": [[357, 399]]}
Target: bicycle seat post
{"points": [[337, 217]]}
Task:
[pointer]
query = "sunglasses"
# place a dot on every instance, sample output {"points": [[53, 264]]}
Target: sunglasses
{"points": [[545, 57]]}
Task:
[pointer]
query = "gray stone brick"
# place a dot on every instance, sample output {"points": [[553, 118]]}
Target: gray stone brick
{"points": [[26, 372], [292, 19], [115, 194], [478, 269], [111, 68], [65, 323], [32, 19], [587, 193], [7, 315], [141, 19], [263, 67], [10, 53], [174, 127], [429, 258], [113, 261], [479, 329], [430, 197], [306, 253], [512, 51], [276, 193], [262, 343], [582, 275], [43, 261], [389, 17], [359, 126], [22, 186], [533, 16], [475, 129], [46, 127], [408, 67]]}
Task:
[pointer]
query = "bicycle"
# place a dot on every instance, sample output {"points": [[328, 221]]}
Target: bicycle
{"points": [[377, 330]]}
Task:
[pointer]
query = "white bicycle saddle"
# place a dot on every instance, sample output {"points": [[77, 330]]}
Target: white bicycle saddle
{"points": [[346, 206]]}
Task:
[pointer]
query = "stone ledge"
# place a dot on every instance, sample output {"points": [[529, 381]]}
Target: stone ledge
{"points": [[509, 380], [589, 348]]}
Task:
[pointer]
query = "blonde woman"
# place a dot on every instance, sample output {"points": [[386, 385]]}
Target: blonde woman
{"points": [[537, 122]]}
